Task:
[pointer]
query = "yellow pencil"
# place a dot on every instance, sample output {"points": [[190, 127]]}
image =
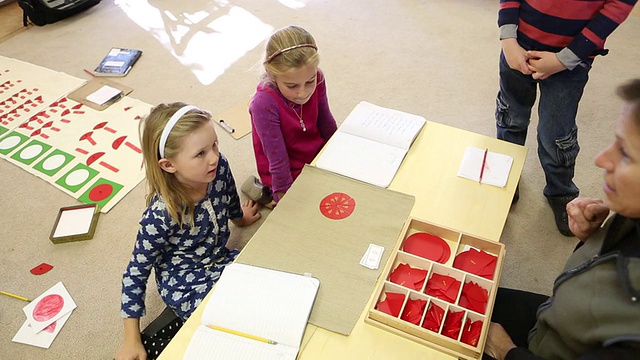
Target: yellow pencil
{"points": [[15, 296], [238, 333]]}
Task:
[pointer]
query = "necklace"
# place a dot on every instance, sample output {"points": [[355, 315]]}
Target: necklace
{"points": [[304, 128]]}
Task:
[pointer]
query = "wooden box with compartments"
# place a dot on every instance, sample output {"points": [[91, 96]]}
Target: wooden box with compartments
{"points": [[439, 288]]}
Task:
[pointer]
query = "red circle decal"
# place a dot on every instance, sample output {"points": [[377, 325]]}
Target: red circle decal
{"points": [[100, 192], [337, 206], [48, 307]]}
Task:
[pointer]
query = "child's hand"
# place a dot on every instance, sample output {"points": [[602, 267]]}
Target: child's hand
{"points": [[132, 351], [586, 215], [250, 213], [132, 348], [515, 55], [544, 64]]}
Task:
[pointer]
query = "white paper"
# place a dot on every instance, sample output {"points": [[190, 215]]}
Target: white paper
{"points": [[384, 125], [44, 337], [496, 166], [371, 144], [104, 94], [266, 303], [361, 159], [52, 305], [373, 255], [114, 63], [207, 344], [74, 222]]}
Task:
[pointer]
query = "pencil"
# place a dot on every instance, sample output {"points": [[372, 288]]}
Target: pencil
{"points": [[484, 162], [238, 333], [15, 296], [89, 72]]}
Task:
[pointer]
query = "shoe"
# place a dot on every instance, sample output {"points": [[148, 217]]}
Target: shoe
{"points": [[256, 191], [516, 195], [559, 206]]}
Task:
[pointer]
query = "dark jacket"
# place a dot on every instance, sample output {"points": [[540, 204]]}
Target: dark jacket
{"points": [[594, 312]]}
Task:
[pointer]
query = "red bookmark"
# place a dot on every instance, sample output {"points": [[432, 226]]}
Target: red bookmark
{"points": [[484, 162]]}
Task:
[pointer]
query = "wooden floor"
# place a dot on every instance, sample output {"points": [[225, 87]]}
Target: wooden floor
{"points": [[10, 20]]}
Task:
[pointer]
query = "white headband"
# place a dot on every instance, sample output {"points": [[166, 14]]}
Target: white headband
{"points": [[170, 124]]}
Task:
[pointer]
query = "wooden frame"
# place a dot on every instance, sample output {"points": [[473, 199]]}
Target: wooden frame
{"points": [[75, 223], [457, 242]]}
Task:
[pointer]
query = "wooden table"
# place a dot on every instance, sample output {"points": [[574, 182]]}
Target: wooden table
{"points": [[429, 172]]}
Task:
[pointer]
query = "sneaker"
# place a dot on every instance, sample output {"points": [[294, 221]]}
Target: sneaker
{"points": [[559, 206]]}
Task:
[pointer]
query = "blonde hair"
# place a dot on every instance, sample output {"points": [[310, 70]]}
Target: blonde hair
{"points": [[288, 49], [159, 182]]}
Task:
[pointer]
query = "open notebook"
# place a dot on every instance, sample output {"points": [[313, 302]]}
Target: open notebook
{"points": [[371, 143], [486, 167], [255, 304]]}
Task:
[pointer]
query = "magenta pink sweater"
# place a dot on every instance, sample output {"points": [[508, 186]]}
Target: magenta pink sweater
{"points": [[280, 145]]}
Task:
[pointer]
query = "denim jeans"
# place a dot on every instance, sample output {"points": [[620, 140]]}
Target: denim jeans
{"points": [[557, 130]]}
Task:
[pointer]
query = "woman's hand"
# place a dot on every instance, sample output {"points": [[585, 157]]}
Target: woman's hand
{"points": [[586, 215], [515, 55], [498, 342]]}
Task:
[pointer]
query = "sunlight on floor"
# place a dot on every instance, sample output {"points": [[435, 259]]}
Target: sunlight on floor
{"points": [[207, 41]]}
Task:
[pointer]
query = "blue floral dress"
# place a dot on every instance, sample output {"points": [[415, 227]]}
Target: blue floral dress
{"points": [[187, 261]]}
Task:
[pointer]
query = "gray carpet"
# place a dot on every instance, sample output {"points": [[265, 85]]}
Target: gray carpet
{"points": [[436, 58]]}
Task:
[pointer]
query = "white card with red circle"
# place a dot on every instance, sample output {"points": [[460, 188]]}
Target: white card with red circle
{"points": [[45, 337], [52, 305]]}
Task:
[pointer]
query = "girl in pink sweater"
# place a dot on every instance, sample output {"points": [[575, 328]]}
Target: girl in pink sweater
{"points": [[290, 115]]}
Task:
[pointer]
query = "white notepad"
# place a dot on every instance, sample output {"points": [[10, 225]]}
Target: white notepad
{"points": [[496, 166], [261, 302], [371, 143]]}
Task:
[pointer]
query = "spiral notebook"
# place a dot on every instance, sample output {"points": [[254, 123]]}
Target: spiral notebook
{"points": [[254, 313]]}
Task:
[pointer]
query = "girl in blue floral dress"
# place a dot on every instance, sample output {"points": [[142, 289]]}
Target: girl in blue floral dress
{"points": [[184, 230]]}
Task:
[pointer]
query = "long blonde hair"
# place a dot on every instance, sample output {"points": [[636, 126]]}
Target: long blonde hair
{"points": [[297, 57], [159, 182]]}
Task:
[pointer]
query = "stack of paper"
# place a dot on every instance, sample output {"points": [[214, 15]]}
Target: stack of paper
{"points": [[46, 315], [105, 95]]}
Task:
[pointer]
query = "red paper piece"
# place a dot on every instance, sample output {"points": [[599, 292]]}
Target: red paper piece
{"points": [[392, 304], [427, 246], [443, 287], [476, 262], [474, 297], [408, 276], [41, 269], [471, 332], [452, 324], [337, 206], [413, 311], [433, 318]]}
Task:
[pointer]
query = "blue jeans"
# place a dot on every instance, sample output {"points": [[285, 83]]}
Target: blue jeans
{"points": [[557, 130]]}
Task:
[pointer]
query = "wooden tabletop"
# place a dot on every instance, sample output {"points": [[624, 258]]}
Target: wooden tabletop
{"points": [[429, 172]]}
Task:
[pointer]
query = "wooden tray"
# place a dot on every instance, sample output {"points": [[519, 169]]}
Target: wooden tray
{"points": [[457, 243]]}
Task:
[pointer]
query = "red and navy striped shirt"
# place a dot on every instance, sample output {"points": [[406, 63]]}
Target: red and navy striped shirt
{"points": [[582, 26]]}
